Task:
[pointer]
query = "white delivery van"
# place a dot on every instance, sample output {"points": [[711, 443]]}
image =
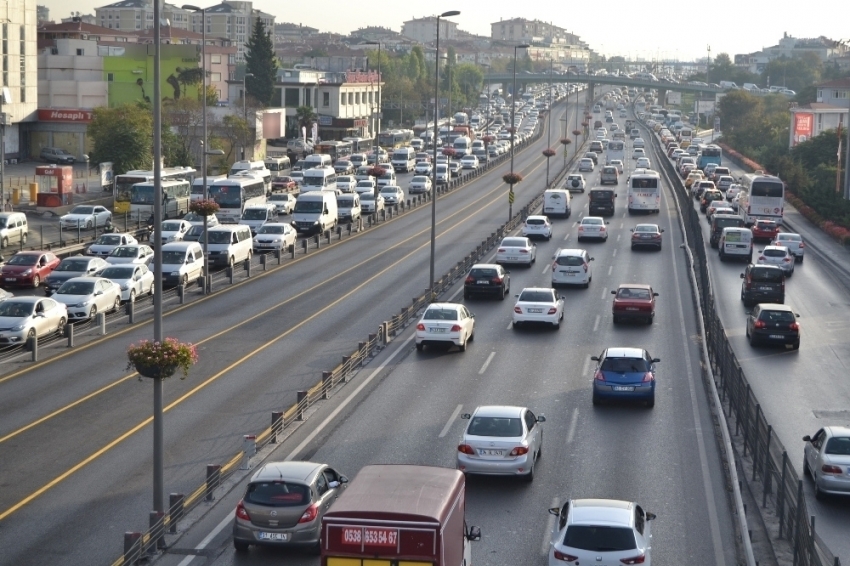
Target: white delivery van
{"points": [[182, 263], [319, 179], [462, 146], [557, 202], [316, 160], [315, 211], [348, 207], [403, 159], [13, 228], [736, 243], [443, 173], [229, 244]]}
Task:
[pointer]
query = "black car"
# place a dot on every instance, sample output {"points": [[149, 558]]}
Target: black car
{"points": [[771, 323], [763, 284], [487, 279]]}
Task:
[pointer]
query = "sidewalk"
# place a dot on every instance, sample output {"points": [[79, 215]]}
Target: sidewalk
{"points": [[18, 176]]}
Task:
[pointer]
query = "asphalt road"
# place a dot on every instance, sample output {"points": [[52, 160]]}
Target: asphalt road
{"points": [[260, 342]]}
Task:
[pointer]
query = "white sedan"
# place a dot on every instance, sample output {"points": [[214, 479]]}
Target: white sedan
{"points": [[619, 165], [422, 168], [284, 203], [365, 186], [86, 216], [538, 304], [345, 183], [638, 153], [446, 324], [392, 194], [22, 318], [419, 184], [173, 231], [132, 253], [469, 162], [86, 296], [642, 163], [516, 250], [133, 280], [274, 236], [792, 241], [105, 243], [592, 227], [537, 226], [369, 204]]}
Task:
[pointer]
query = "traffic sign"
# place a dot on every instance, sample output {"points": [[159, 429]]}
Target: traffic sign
{"points": [[511, 196]]}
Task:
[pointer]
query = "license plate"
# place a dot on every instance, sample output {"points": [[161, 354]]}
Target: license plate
{"points": [[535, 310], [273, 536], [491, 452], [764, 288], [622, 388], [632, 309], [777, 336], [570, 271], [482, 282], [512, 258], [11, 279], [437, 330]]}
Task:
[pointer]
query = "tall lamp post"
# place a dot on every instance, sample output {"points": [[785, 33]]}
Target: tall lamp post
{"points": [[377, 117], [436, 137], [158, 443], [513, 129], [245, 103], [549, 126]]}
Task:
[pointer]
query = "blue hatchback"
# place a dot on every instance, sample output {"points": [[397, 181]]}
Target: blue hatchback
{"points": [[624, 373]]}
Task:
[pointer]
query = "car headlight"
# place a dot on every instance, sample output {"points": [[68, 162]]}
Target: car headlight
{"points": [[125, 287], [20, 326], [316, 223], [27, 272], [82, 304], [277, 241]]}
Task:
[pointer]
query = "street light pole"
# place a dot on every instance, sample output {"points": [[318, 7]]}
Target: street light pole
{"points": [[549, 127], [245, 103], [513, 129], [436, 136], [377, 118], [158, 446]]}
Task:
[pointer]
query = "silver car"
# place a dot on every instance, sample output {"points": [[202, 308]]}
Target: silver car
{"points": [[501, 440], [284, 504], [826, 459], [133, 280], [28, 317], [516, 250], [794, 243], [779, 256], [84, 297]]}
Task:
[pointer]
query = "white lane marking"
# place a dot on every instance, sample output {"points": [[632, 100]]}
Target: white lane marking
{"points": [[618, 236], [614, 254], [567, 237], [451, 421], [510, 324], [486, 363], [572, 430], [546, 270], [596, 323], [586, 367], [604, 292], [610, 269], [575, 224], [550, 524], [622, 224]]}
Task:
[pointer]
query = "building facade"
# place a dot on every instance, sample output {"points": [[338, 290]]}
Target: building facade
{"points": [[233, 20], [424, 30], [18, 73]]}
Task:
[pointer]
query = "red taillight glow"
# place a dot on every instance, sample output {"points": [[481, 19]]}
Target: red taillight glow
{"points": [[760, 324], [794, 326], [455, 328], [599, 376], [420, 326], [519, 451], [466, 449], [517, 310], [647, 377], [635, 560], [581, 228], [585, 266], [501, 250], [470, 279], [827, 469], [523, 251], [761, 258], [241, 513], [602, 228], [565, 557], [310, 514], [787, 259]]}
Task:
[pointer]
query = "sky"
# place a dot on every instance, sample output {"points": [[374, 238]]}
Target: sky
{"points": [[615, 27]]}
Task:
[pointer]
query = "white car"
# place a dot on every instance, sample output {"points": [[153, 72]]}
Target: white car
{"points": [[369, 204], [516, 250], [575, 182], [592, 227], [794, 243], [285, 202], [600, 531], [778, 256], [132, 253], [392, 194], [638, 153], [619, 165], [826, 454], [643, 163], [638, 143], [586, 164], [365, 186], [197, 220], [274, 236], [27, 317], [86, 216], [172, 231], [84, 297], [298, 177], [133, 280], [105, 243], [732, 192], [469, 162], [537, 226], [419, 184], [538, 304], [345, 183], [571, 267], [422, 168], [445, 323]]}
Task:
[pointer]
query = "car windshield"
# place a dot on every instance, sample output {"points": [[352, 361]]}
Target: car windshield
{"points": [[76, 288], [624, 365], [15, 309], [646, 228], [537, 221], [774, 253], [483, 273], [838, 445], [255, 214], [599, 538], [22, 259], [790, 237], [170, 226], [633, 293], [222, 237], [117, 272], [278, 494], [515, 243], [309, 206], [495, 426], [73, 265], [776, 316], [572, 260], [108, 240], [536, 297], [271, 229], [389, 191], [125, 251], [591, 221], [82, 210], [193, 217], [173, 257], [440, 314], [419, 179]]}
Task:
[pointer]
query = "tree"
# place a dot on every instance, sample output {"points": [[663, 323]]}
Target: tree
{"points": [[470, 79], [305, 116], [123, 136], [316, 52], [234, 133], [260, 61]]}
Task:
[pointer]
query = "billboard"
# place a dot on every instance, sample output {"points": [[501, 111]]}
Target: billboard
{"points": [[803, 126], [128, 71]]}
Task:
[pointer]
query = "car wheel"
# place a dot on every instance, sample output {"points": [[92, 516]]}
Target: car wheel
{"points": [[502, 294], [88, 225], [722, 257], [819, 495], [30, 334], [806, 470], [116, 305], [795, 345], [419, 347], [801, 258], [240, 546], [93, 312], [4, 243], [529, 477], [465, 296], [616, 319], [60, 328], [185, 281], [132, 298], [596, 401], [151, 290], [515, 325], [36, 281], [557, 325], [752, 341], [23, 238], [462, 347]]}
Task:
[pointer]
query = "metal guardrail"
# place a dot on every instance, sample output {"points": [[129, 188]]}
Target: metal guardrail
{"points": [[140, 546], [781, 487]]}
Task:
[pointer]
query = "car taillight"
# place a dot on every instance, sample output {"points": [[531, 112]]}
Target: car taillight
{"points": [[647, 377], [802, 245], [497, 280], [636, 560], [466, 449], [581, 228], [519, 451], [585, 266], [420, 326], [501, 250], [310, 514], [554, 265], [517, 310], [455, 328], [598, 376], [761, 258], [565, 557], [523, 251], [470, 279], [827, 469], [552, 310], [602, 228], [241, 513], [759, 324], [787, 259], [794, 326]]}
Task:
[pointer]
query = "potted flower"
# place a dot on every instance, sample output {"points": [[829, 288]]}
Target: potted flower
{"points": [[548, 152], [576, 133], [159, 360], [449, 152], [204, 207], [512, 179], [376, 171]]}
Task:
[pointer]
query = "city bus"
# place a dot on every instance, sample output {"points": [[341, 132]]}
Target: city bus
{"points": [[710, 154], [360, 145], [336, 149], [762, 197], [277, 164], [392, 139], [198, 186], [175, 199], [616, 150], [123, 187], [236, 192], [644, 192], [686, 134]]}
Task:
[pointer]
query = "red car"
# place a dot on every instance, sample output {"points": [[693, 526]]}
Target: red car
{"points": [[765, 230], [28, 269], [286, 184], [633, 301]]}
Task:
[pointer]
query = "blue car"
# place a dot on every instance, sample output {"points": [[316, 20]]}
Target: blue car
{"points": [[624, 373]]}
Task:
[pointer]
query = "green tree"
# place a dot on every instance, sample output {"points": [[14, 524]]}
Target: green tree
{"points": [[123, 136], [316, 52], [470, 80], [305, 116], [260, 61], [233, 133]]}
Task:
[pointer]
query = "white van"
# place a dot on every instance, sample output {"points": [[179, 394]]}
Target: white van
{"points": [[403, 159], [462, 146], [315, 211], [348, 207], [557, 202], [319, 179], [229, 244], [256, 215], [736, 243], [257, 167], [316, 160], [198, 186], [182, 263], [388, 178], [443, 173], [13, 228]]}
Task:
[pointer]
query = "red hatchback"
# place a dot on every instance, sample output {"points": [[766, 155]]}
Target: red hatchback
{"points": [[765, 230], [633, 301], [28, 269], [284, 183]]}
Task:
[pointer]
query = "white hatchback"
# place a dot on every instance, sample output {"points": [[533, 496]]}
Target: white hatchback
{"points": [[643, 163], [538, 304], [592, 227], [794, 243], [571, 267], [779, 256], [537, 226]]}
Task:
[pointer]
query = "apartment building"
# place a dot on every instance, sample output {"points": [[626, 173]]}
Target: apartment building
{"points": [[18, 73], [424, 30]]}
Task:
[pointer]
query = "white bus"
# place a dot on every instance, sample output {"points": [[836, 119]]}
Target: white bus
{"points": [[319, 179], [644, 192], [762, 197], [198, 186], [277, 164], [175, 199], [123, 185], [234, 193], [616, 150]]}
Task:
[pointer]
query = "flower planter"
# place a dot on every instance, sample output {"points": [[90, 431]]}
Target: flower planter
{"points": [[155, 372]]}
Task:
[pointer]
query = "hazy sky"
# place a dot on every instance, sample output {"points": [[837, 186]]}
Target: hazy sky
{"points": [[614, 27]]}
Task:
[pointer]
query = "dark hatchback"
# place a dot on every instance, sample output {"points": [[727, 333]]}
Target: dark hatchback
{"points": [[762, 284], [487, 279], [601, 202], [771, 323]]}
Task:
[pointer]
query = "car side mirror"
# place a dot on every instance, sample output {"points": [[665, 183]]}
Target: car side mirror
{"points": [[474, 533], [594, 358], [742, 276], [613, 292], [656, 360], [554, 511], [655, 294], [662, 230], [541, 418], [96, 293], [466, 416], [807, 438], [650, 516]]}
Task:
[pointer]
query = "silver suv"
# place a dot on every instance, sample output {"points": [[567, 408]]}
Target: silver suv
{"points": [[57, 155]]}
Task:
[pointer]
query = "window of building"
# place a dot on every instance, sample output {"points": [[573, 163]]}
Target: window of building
{"points": [[290, 97], [215, 59], [326, 99], [80, 52], [215, 77], [307, 93], [351, 98], [110, 77]]}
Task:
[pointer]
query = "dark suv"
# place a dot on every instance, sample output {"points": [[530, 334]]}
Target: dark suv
{"points": [[601, 202], [763, 284], [487, 279]]}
